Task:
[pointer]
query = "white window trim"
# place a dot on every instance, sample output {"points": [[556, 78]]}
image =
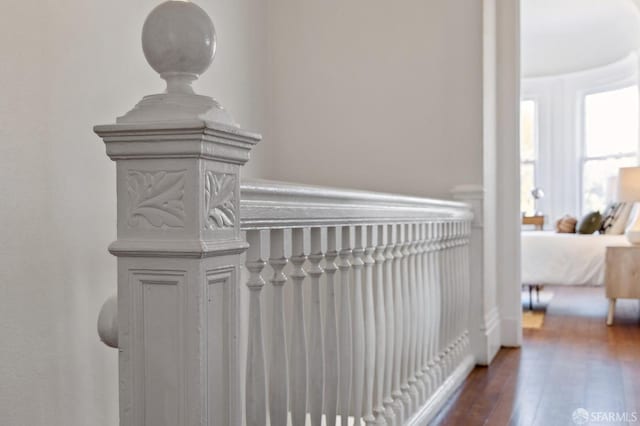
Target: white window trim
{"points": [[624, 82], [536, 131]]}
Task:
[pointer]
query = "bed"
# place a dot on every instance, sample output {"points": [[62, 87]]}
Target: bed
{"points": [[565, 259]]}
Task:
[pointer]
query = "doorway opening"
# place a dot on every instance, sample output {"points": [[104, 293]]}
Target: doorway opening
{"points": [[579, 125]]}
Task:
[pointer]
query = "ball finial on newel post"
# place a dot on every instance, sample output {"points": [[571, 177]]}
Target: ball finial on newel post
{"points": [[179, 42]]}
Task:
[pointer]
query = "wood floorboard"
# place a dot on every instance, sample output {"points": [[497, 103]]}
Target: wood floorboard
{"points": [[574, 361]]}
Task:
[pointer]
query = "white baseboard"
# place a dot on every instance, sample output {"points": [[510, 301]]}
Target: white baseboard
{"points": [[487, 344], [441, 396], [511, 332]]}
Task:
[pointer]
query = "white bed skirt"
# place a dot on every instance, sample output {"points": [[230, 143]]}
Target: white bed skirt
{"points": [[565, 259]]}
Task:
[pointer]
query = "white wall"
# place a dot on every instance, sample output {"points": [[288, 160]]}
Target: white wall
{"points": [[68, 65], [377, 95]]}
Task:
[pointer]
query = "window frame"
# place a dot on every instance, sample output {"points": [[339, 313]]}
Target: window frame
{"points": [[583, 159], [536, 132]]}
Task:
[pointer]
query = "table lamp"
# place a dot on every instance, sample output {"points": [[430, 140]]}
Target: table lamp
{"points": [[629, 191], [537, 194]]}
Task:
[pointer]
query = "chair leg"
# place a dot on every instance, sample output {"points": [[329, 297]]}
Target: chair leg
{"points": [[530, 297]]}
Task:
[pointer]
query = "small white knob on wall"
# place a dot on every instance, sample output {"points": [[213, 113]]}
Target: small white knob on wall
{"points": [[108, 322]]}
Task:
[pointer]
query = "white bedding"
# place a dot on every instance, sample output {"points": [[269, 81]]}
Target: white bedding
{"points": [[565, 259]]}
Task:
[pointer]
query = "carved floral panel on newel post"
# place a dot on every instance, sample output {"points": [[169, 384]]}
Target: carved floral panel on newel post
{"points": [[156, 198], [219, 200]]}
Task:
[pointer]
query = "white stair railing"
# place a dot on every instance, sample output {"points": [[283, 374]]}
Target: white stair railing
{"points": [[351, 305], [428, 239]]}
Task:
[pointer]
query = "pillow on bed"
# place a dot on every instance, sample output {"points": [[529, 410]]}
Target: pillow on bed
{"points": [[566, 225], [615, 218], [590, 223]]}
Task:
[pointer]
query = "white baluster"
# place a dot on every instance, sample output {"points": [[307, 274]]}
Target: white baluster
{"points": [[420, 312], [298, 359], [455, 300], [449, 299], [460, 290], [389, 316], [316, 362], [399, 323], [406, 321], [256, 388], [380, 326], [357, 315], [413, 321], [369, 327], [331, 333], [344, 327], [446, 300], [430, 368], [427, 298], [278, 375], [467, 280], [438, 304]]}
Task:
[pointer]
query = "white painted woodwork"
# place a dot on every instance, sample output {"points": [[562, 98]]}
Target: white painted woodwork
{"points": [[316, 348], [406, 319], [178, 240], [357, 322], [484, 325], [268, 204], [369, 326], [344, 327], [413, 321], [108, 322], [428, 312], [388, 342], [331, 331], [298, 357], [379, 328], [448, 300], [179, 52], [278, 371], [399, 322], [389, 351], [420, 314], [438, 305], [255, 382]]}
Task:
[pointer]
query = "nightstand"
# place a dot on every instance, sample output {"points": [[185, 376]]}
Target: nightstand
{"points": [[622, 275], [537, 221]]}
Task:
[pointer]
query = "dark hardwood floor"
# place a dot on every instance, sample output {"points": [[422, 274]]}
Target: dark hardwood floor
{"points": [[574, 361]]}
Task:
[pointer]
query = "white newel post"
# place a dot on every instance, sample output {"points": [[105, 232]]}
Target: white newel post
{"points": [[178, 157]]}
